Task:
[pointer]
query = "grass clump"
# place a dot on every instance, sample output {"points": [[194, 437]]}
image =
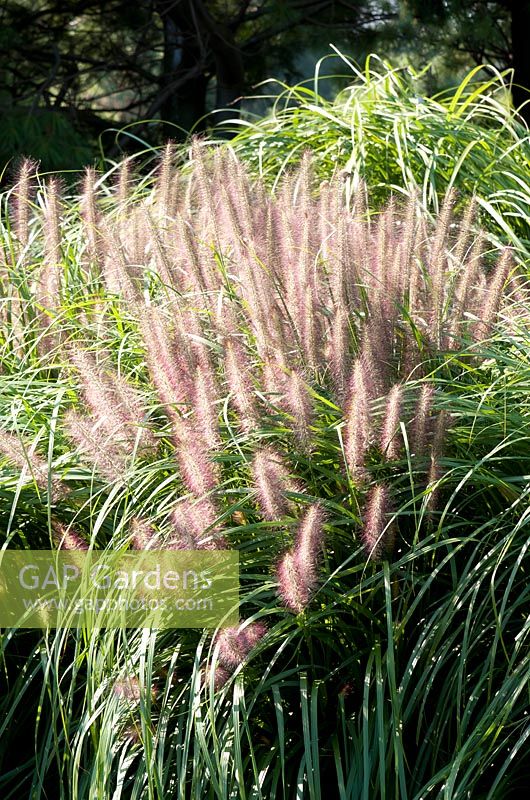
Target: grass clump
{"points": [[384, 130], [338, 394]]}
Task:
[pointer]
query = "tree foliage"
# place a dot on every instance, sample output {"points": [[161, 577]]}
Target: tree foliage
{"points": [[493, 33], [97, 63], [72, 69]]}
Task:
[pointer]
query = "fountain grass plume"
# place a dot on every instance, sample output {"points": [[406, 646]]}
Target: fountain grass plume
{"points": [[105, 452], [338, 353], [378, 532], [66, 538], [123, 184], [299, 403], [26, 459], [122, 278], [297, 569], [272, 481], [155, 233], [358, 429], [465, 290], [293, 593], [167, 188], [112, 402], [199, 473], [205, 399], [308, 542], [237, 372], [90, 215], [494, 293], [143, 534], [22, 197], [203, 173], [236, 643], [438, 265], [128, 689], [422, 423], [168, 359], [217, 674], [390, 442], [194, 526], [376, 352], [49, 282], [52, 232]]}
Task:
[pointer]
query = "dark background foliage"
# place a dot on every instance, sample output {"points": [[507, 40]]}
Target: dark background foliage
{"points": [[76, 72]]}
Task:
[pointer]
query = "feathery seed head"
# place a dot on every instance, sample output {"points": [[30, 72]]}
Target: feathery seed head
{"points": [[167, 183], [294, 593], [308, 542], [377, 534], [167, 358], [22, 196], [199, 473], [219, 674], [236, 643], [204, 403], [237, 372], [127, 689], [25, 458], [91, 217], [66, 538], [194, 526], [422, 420], [297, 569], [299, 403], [358, 427], [143, 535], [272, 480], [338, 353], [390, 435], [105, 454], [494, 294]]}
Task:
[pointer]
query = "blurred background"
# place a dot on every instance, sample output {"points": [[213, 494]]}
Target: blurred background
{"points": [[83, 80]]}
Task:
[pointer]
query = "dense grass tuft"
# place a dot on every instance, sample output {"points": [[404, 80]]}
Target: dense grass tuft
{"points": [[383, 130], [339, 394]]}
